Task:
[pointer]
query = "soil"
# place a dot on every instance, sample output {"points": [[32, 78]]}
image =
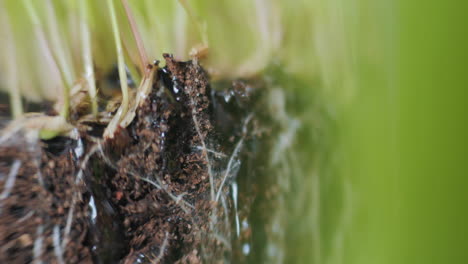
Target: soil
{"points": [[148, 195], [44, 193]]}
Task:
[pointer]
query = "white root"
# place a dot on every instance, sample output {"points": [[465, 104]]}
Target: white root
{"points": [[37, 249], [58, 251], [233, 156], [10, 182], [163, 248], [204, 149]]}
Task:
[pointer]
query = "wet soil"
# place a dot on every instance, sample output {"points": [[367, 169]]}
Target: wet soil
{"points": [[40, 192], [159, 191]]}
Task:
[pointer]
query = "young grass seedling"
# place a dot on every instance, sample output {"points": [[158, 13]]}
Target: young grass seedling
{"points": [[57, 44], [137, 37], [12, 76], [120, 60], [196, 20], [123, 118], [39, 30], [87, 56]]}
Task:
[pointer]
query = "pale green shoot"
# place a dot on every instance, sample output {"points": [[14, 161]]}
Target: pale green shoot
{"points": [[13, 81], [58, 45], [87, 56], [137, 37], [38, 27], [120, 60], [201, 27]]}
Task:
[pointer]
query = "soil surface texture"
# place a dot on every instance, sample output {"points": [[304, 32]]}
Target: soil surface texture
{"points": [[157, 192]]}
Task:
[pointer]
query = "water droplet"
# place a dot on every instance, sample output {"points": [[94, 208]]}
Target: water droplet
{"points": [[140, 258], [92, 205], [227, 97], [234, 198], [79, 150], [245, 224], [246, 249]]}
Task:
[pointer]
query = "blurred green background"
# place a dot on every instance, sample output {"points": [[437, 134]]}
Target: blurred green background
{"points": [[402, 143], [384, 178]]}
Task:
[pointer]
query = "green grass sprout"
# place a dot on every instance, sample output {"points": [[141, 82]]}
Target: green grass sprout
{"points": [[136, 35], [13, 81], [120, 60], [87, 56], [39, 31], [201, 27]]}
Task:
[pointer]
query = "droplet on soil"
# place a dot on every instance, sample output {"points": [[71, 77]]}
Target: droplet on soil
{"points": [[175, 89], [246, 249], [92, 205], [79, 149], [227, 97], [245, 224], [234, 198]]}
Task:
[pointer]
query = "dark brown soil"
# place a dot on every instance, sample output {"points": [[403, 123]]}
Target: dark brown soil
{"points": [[153, 178], [145, 196], [46, 191]]}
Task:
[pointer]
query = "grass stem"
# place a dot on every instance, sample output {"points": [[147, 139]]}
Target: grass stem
{"points": [[57, 40], [39, 30], [16, 104], [196, 20], [87, 56], [137, 37], [120, 59]]}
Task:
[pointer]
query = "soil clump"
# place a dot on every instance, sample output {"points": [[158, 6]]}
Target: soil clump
{"points": [[154, 193]]}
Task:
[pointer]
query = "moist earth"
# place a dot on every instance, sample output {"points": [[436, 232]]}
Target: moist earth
{"points": [[148, 195]]}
